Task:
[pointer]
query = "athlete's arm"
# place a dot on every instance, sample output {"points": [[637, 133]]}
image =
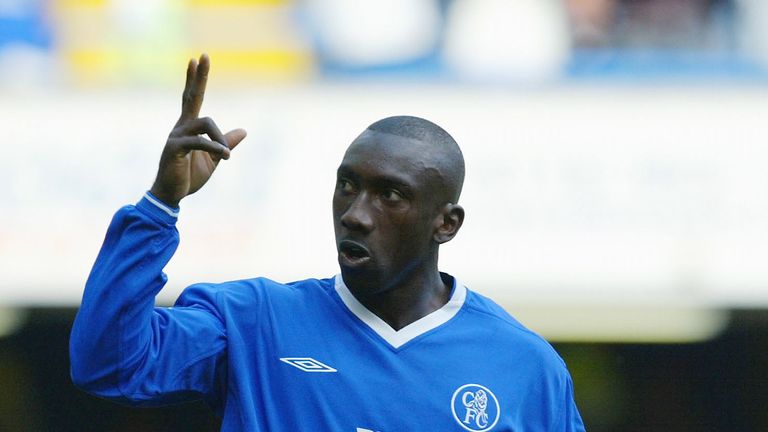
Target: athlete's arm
{"points": [[121, 346]]}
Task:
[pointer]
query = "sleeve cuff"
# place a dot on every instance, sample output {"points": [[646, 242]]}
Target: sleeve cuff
{"points": [[157, 209]]}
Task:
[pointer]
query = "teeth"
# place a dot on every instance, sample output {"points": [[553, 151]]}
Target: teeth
{"points": [[353, 251]]}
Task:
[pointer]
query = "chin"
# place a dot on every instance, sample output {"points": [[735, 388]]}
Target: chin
{"points": [[360, 280]]}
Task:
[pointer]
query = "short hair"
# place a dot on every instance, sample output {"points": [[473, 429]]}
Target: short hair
{"points": [[425, 131]]}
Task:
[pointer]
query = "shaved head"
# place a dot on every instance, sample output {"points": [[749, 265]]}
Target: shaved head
{"points": [[441, 148], [395, 203]]}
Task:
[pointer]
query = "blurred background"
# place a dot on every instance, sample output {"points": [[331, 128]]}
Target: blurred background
{"points": [[615, 195]]}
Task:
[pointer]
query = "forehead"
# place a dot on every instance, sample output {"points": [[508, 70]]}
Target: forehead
{"points": [[382, 154]]}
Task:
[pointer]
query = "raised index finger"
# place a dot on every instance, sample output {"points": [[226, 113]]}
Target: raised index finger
{"points": [[194, 90]]}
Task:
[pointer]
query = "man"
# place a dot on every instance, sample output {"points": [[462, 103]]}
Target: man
{"points": [[389, 345]]}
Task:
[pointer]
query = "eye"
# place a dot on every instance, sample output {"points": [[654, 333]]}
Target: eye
{"points": [[345, 185], [392, 195]]}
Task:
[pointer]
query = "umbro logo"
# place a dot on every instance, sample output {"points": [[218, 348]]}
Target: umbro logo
{"points": [[307, 364]]}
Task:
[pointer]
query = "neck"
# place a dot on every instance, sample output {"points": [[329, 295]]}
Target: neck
{"points": [[408, 299]]}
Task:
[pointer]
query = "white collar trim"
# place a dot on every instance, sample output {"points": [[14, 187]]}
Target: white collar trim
{"points": [[398, 338]]}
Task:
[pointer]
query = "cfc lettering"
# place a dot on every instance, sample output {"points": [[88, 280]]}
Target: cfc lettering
{"points": [[475, 408], [476, 405]]}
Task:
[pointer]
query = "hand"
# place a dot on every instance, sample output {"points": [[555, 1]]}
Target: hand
{"points": [[189, 159]]}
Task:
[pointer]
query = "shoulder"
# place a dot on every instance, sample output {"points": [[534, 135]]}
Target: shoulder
{"points": [[251, 293], [508, 334], [547, 400]]}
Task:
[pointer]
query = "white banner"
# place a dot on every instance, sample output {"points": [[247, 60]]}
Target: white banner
{"points": [[574, 196]]}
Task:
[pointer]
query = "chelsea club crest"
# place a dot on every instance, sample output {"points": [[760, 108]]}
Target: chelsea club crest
{"points": [[475, 407]]}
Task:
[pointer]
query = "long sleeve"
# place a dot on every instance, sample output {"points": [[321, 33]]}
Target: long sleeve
{"points": [[124, 348]]}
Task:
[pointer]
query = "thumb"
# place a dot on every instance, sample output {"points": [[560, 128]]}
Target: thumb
{"points": [[234, 137]]}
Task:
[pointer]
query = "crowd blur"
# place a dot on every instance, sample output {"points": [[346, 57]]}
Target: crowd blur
{"points": [[89, 42], [633, 220]]}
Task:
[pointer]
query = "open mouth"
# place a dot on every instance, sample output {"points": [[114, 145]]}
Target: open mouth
{"points": [[352, 253]]}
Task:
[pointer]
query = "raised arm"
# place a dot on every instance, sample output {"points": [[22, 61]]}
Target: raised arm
{"points": [[121, 346]]}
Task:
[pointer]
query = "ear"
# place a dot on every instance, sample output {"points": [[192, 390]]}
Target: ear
{"points": [[448, 222]]}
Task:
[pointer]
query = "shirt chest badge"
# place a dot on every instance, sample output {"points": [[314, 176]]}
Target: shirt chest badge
{"points": [[475, 408]]}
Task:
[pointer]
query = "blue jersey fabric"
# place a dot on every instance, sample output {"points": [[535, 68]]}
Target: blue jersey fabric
{"points": [[304, 356]]}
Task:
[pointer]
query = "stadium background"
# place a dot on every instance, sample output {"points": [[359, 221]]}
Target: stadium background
{"points": [[616, 188]]}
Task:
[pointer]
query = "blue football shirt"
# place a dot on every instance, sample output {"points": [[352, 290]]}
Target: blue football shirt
{"points": [[305, 356]]}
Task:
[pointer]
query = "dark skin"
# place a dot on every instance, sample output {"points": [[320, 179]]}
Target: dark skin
{"points": [[188, 158], [392, 206], [391, 212]]}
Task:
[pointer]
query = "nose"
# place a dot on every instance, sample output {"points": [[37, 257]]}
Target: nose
{"points": [[358, 217]]}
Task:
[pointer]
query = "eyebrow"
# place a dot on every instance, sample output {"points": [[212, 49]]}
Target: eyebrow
{"points": [[378, 180]]}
